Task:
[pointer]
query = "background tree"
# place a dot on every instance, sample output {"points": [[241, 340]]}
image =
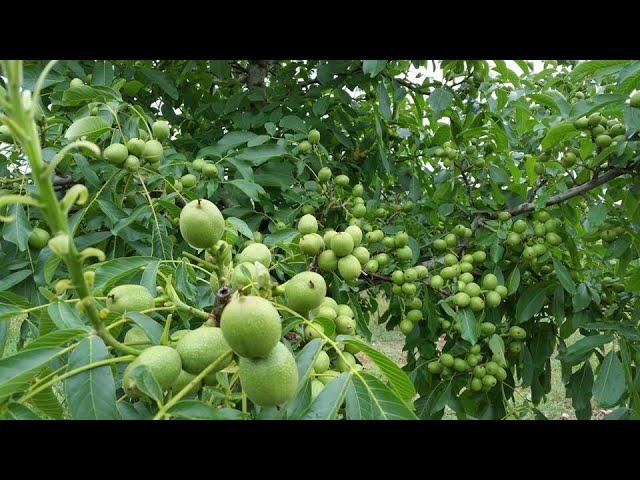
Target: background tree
{"points": [[517, 191]]}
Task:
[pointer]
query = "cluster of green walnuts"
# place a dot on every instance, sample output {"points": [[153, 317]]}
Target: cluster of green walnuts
{"points": [[532, 240], [483, 368], [456, 277], [250, 326]]}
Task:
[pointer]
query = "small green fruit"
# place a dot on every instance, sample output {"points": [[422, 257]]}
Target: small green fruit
{"points": [[436, 282], [201, 223], [404, 253], [447, 360], [342, 244], [38, 238], [201, 347], [197, 164], [520, 226], [490, 281], [132, 163], [440, 244], [461, 299], [476, 304], [321, 363], [135, 146], [493, 299], [272, 380], [342, 180], [152, 151], [314, 136], [305, 146], [362, 254], [371, 266], [129, 298], [327, 261], [406, 326], [345, 325], [161, 130], [116, 153], [487, 328], [209, 170], [603, 141], [324, 174], [251, 325], [164, 364], [349, 267], [305, 291], [307, 224]]}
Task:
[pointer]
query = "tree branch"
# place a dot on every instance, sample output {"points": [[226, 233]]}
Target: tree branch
{"points": [[572, 192]]}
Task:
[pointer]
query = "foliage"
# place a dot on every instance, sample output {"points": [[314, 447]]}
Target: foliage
{"points": [[531, 177]]}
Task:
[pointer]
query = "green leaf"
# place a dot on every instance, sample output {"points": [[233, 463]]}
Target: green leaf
{"points": [[17, 231], [13, 279], [328, 402], [580, 388], [241, 225], [597, 215], [581, 299], [102, 73], [149, 326], [558, 305], [263, 153], [565, 278], [557, 134], [367, 398], [305, 359], [230, 141], [149, 277], [7, 311], [496, 344], [112, 272], [25, 361], [17, 411], [57, 338], [632, 117], [400, 382], [83, 94], [373, 67], [513, 281], [47, 402], [159, 78], [610, 383], [530, 302], [198, 410], [583, 348], [282, 236], [64, 316], [590, 67], [296, 407], [145, 382], [89, 127], [250, 189], [259, 140], [384, 103], [597, 102], [440, 99], [91, 394], [470, 325], [293, 122]]}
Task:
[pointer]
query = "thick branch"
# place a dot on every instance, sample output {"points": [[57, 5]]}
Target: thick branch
{"points": [[572, 192]]}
